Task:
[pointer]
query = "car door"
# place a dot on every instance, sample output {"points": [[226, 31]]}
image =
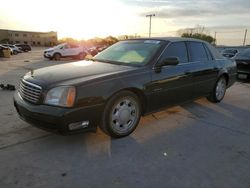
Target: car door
{"points": [[69, 50], [173, 84], [205, 69]]}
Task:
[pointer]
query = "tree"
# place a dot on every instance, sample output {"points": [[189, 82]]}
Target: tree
{"points": [[200, 36], [199, 32]]}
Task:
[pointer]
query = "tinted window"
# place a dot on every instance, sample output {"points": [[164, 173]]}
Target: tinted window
{"points": [[197, 52], [177, 49], [209, 54]]}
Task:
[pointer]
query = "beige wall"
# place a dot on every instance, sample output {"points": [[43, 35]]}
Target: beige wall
{"points": [[3, 35], [31, 38]]}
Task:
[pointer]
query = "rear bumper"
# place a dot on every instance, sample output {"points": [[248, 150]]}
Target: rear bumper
{"points": [[56, 119]]}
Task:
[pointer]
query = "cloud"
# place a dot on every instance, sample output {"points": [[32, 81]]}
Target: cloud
{"points": [[201, 11], [190, 8]]}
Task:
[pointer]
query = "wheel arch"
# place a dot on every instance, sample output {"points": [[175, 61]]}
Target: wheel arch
{"points": [[139, 93], [57, 53], [225, 74]]}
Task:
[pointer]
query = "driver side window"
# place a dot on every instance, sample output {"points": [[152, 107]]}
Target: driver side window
{"points": [[176, 49]]}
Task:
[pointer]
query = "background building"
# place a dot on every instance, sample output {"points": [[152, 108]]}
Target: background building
{"points": [[28, 37]]}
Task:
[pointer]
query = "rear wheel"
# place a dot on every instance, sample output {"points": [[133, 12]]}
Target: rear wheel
{"points": [[81, 56], [219, 90], [121, 114], [57, 56]]}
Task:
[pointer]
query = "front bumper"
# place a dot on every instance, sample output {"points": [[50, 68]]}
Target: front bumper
{"points": [[47, 55], [57, 119]]}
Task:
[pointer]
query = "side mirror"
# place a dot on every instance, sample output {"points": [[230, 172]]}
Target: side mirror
{"points": [[172, 61], [169, 61]]}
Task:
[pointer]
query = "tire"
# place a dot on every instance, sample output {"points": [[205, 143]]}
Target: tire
{"points": [[121, 114], [15, 52], [219, 90], [57, 56], [81, 56]]}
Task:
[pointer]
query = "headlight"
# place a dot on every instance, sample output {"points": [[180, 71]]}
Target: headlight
{"points": [[61, 96]]}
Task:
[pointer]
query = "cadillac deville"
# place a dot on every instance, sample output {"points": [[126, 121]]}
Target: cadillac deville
{"points": [[119, 85]]}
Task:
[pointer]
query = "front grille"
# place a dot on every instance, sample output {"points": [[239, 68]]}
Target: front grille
{"points": [[29, 91]]}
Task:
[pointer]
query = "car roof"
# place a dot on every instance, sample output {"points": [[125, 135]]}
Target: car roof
{"points": [[170, 39]]}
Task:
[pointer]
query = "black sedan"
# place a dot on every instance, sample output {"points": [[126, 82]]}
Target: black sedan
{"points": [[129, 79], [243, 64]]}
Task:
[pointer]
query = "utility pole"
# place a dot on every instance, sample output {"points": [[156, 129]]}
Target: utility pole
{"points": [[245, 37], [215, 37], [150, 17]]}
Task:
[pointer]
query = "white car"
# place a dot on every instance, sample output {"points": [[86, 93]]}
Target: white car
{"points": [[66, 50]]}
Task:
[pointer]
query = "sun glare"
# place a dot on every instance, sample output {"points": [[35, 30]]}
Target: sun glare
{"points": [[77, 19]]}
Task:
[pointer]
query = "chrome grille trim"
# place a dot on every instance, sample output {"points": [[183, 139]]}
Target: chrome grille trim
{"points": [[29, 91]]}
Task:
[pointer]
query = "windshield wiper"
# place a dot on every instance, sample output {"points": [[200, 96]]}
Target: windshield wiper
{"points": [[107, 61]]}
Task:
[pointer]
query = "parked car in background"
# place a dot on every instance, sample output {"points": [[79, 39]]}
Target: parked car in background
{"points": [[129, 79], [93, 51], [1, 51], [243, 64], [8, 49], [229, 53], [24, 47], [15, 49], [66, 50]]}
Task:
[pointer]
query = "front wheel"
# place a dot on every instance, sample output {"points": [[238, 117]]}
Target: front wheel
{"points": [[57, 57], [121, 114], [219, 90]]}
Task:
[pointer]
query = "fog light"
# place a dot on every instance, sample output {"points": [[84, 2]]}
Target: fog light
{"points": [[78, 125]]}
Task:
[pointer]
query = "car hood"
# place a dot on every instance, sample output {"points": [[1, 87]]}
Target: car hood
{"points": [[49, 49], [73, 73]]}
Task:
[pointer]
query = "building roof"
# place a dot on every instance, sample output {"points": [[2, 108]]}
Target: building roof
{"points": [[37, 32]]}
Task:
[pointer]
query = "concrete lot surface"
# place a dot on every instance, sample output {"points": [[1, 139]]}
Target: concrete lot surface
{"points": [[198, 144]]}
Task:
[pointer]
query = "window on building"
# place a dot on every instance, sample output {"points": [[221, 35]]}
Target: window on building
{"points": [[34, 43], [17, 42], [16, 34], [38, 43], [25, 42], [24, 35]]}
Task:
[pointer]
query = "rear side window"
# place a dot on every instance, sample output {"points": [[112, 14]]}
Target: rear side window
{"points": [[209, 54], [197, 52], [176, 49]]}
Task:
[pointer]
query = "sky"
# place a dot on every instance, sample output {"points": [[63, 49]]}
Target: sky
{"points": [[84, 19]]}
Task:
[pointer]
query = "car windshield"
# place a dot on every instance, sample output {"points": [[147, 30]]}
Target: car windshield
{"points": [[133, 52], [60, 45]]}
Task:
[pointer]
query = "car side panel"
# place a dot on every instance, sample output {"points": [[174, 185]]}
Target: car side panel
{"points": [[101, 91]]}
